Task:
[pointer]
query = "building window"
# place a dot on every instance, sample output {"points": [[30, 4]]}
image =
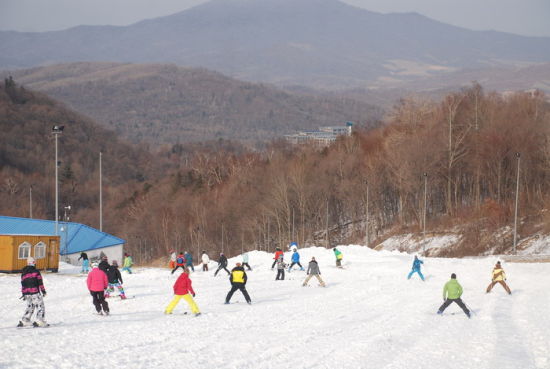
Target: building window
{"points": [[24, 250], [40, 250]]}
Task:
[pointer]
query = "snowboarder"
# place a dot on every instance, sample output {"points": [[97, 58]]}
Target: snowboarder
{"points": [[281, 265], [115, 280], [498, 277], [451, 293], [238, 280], [245, 261], [416, 268], [278, 253], [205, 260], [295, 260], [85, 262], [222, 264], [183, 289], [339, 257], [313, 271], [128, 262], [33, 291], [97, 283], [104, 264], [180, 262], [172, 262], [189, 261]]}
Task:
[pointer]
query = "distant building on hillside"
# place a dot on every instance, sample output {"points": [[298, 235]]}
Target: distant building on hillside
{"points": [[74, 237], [323, 137]]}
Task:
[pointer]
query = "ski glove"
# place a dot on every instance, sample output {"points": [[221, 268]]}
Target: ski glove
{"points": [[193, 295], [44, 293]]}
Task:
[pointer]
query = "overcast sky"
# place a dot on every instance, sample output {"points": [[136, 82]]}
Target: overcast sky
{"points": [[524, 17]]}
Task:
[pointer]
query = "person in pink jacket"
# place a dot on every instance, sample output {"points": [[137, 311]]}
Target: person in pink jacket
{"points": [[97, 283]]}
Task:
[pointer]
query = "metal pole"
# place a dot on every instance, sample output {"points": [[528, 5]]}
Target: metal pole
{"points": [[367, 222], [424, 215], [100, 195], [293, 237], [30, 202], [222, 238], [518, 155], [327, 226], [56, 190]]}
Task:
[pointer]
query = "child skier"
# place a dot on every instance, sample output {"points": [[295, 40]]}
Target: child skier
{"points": [[189, 261], [97, 283], [281, 265], [115, 280], [451, 293], [205, 260], [180, 262], [339, 257], [33, 291], [104, 264], [416, 268], [85, 262], [183, 289], [238, 280], [278, 253], [498, 276], [222, 264], [245, 261], [128, 262], [172, 262], [295, 260], [313, 271]]}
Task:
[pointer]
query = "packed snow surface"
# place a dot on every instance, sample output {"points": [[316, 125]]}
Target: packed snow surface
{"points": [[368, 316]]}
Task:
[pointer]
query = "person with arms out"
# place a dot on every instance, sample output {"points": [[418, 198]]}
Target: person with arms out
{"points": [[189, 261], [180, 262], [115, 280], [33, 291], [222, 264], [85, 262], [205, 260], [245, 261], [339, 257], [278, 254], [128, 263], [238, 280], [295, 260], [313, 271], [416, 268], [183, 289], [97, 283], [498, 276], [451, 293]]}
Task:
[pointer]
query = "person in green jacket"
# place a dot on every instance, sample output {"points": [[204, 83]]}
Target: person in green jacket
{"points": [[128, 262], [451, 293], [339, 257]]}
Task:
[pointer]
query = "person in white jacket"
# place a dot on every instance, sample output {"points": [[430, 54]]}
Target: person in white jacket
{"points": [[205, 260]]}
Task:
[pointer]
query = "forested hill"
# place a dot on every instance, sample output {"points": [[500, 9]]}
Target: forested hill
{"points": [[170, 104]]}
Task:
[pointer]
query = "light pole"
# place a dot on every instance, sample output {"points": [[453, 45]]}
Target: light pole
{"points": [[100, 195], [30, 202], [327, 226], [66, 226], [518, 156], [424, 215], [367, 209], [56, 130]]}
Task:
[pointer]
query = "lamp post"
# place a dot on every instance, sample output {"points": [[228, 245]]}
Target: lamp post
{"points": [[56, 130], [30, 202], [518, 156], [100, 195], [367, 210], [424, 213]]}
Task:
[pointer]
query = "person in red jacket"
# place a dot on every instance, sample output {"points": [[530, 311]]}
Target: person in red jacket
{"points": [[278, 254], [183, 289], [97, 283]]}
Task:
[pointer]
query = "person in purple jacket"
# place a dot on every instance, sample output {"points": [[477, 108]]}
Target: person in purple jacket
{"points": [[32, 289]]}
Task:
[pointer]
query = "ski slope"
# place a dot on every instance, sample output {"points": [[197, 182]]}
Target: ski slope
{"points": [[368, 316]]}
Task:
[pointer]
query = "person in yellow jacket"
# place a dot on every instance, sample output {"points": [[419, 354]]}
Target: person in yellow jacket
{"points": [[238, 280], [498, 276]]}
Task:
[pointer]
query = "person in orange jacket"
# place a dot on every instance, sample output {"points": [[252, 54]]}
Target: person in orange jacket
{"points": [[180, 262], [183, 289], [278, 254], [498, 276]]}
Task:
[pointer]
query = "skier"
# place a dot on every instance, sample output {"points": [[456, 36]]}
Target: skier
{"points": [[104, 264], [339, 257], [115, 280], [238, 280], [180, 262], [451, 293], [189, 261], [313, 271], [205, 260], [295, 260], [172, 262], [281, 265], [278, 253], [293, 246], [128, 262], [33, 291], [498, 277], [416, 268], [85, 262], [97, 283], [245, 261], [222, 264], [183, 289]]}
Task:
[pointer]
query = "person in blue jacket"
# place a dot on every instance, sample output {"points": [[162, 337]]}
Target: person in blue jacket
{"points": [[295, 260], [416, 268], [189, 260]]}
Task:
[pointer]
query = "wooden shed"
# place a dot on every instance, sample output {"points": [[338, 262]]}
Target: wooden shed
{"points": [[16, 248]]}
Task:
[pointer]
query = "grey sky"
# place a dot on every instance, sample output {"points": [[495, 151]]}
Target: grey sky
{"points": [[525, 17]]}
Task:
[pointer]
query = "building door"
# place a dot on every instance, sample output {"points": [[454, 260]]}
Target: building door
{"points": [[53, 255]]}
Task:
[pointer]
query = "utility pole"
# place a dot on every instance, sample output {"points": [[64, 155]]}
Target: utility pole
{"points": [[100, 195], [518, 156], [367, 233], [327, 246], [56, 130], [222, 237], [30, 202], [424, 213]]}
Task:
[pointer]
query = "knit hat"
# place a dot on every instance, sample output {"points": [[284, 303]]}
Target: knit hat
{"points": [[31, 261], [95, 264], [498, 263], [453, 276], [114, 263], [238, 264]]}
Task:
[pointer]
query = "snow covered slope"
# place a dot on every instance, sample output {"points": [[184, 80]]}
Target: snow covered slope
{"points": [[369, 316]]}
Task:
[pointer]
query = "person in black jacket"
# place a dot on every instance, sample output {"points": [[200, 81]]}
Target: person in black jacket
{"points": [[238, 280], [222, 264], [33, 290], [115, 280], [104, 264], [85, 262]]}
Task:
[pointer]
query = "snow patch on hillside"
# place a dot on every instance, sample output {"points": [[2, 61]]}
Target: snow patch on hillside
{"points": [[411, 243]]}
